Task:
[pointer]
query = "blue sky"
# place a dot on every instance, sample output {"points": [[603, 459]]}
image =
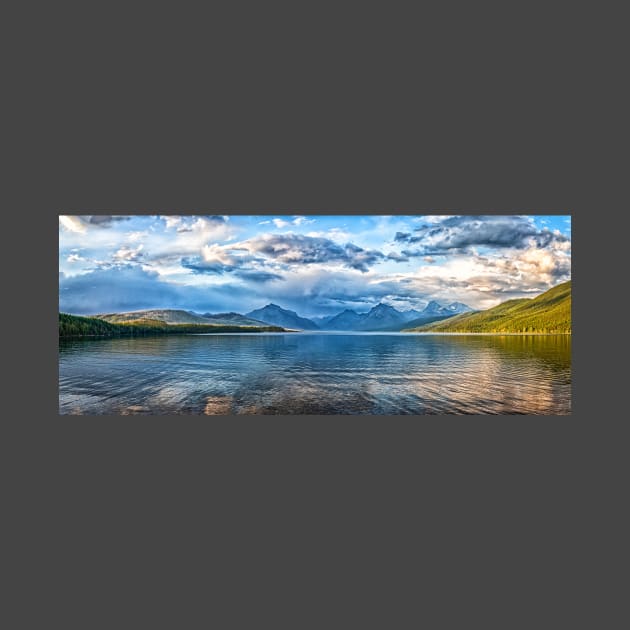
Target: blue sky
{"points": [[315, 265]]}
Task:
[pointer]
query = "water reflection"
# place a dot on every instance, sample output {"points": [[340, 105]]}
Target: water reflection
{"points": [[317, 374]]}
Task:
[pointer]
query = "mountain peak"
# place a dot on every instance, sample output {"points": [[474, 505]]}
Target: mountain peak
{"points": [[272, 313], [380, 307], [454, 308]]}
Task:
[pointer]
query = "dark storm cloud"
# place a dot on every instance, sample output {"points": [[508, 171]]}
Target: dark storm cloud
{"points": [[458, 233], [299, 249]]}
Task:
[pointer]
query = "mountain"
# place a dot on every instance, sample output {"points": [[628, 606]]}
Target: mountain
{"points": [[175, 316], [422, 320], [433, 308], [273, 314], [549, 312], [232, 318], [387, 318], [76, 326], [346, 320], [166, 315], [322, 321], [382, 316], [458, 307], [411, 314]]}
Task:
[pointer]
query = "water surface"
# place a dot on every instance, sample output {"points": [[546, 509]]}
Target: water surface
{"points": [[317, 373]]}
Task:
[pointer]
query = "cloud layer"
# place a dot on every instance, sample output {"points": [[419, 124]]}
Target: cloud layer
{"points": [[314, 265]]}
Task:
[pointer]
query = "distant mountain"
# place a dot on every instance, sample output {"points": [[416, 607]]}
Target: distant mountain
{"points": [[387, 318], [411, 314], [549, 312], [166, 315], [433, 308], [322, 321], [232, 318], [422, 320], [346, 320], [277, 316], [382, 316]]}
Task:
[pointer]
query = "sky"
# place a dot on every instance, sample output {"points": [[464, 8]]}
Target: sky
{"points": [[314, 265]]}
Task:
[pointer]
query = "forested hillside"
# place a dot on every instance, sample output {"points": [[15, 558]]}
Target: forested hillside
{"points": [[549, 312], [77, 326]]}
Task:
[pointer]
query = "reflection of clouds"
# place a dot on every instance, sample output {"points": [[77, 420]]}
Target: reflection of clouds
{"points": [[306, 395], [318, 374], [502, 375]]}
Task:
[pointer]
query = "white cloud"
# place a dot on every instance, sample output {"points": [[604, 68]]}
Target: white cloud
{"points": [[280, 223], [334, 234], [129, 254], [298, 220], [74, 224]]}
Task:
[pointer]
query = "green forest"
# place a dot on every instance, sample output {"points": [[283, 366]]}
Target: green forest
{"points": [[549, 312], [77, 326]]}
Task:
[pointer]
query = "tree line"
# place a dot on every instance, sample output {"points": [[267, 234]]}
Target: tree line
{"points": [[78, 326]]}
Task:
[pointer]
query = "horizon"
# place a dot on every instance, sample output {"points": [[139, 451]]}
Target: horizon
{"points": [[314, 265]]}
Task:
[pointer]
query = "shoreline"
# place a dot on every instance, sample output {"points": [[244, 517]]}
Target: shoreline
{"points": [[319, 332]]}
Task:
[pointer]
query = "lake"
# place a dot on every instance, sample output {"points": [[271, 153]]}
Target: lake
{"points": [[317, 373]]}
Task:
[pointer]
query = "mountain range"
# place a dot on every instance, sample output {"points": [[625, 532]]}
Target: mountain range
{"points": [[380, 317], [549, 312]]}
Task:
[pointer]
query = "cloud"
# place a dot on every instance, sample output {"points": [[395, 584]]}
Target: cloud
{"points": [[299, 249], [255, 275], [193, 234], [282, 223], [397, 257], [129, 254], [221, 259], [197, 264], [460, 233], [188, 223], [80, 223], [194, 263], [298, 220], [334, 234], [129, 287]]}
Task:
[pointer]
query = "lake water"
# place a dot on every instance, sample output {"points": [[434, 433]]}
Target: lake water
{"points": [[317, 373]]}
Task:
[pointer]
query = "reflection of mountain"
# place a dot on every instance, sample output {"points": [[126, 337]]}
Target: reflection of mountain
{"points": [[549, 312], [273, 314]]}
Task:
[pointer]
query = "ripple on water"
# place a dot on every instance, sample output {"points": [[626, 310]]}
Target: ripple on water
{"points": [[316, 374]]}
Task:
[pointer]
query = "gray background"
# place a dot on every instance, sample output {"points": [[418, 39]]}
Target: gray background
{"points": [[438, 522]]}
